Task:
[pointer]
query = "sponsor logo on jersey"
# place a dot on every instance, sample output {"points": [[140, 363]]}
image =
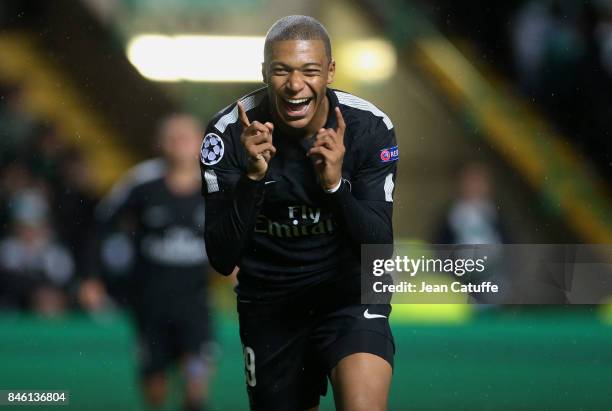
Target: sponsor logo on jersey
{"points": [[175, 246], [212, 149], [388, 155], [302, 221]]}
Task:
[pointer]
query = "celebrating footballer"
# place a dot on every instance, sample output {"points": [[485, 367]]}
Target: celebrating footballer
{"points": [[296, 177]]}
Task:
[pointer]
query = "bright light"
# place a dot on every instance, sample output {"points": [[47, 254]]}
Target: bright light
{"points": [[197, 57], [238, 59], [367, 60]]}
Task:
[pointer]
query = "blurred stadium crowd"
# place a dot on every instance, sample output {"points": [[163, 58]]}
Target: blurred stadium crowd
{"points": [[44, 249], [559, 54]]}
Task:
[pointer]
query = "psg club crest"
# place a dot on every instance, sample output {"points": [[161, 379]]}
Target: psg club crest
{"points": [[389, 154], [212, 149]]}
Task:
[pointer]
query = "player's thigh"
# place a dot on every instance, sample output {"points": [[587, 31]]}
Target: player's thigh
{"points": [[155, 346], [194, 344], [154, 350], [281, 370], [354, 328], [357, 346], [361, 381]]}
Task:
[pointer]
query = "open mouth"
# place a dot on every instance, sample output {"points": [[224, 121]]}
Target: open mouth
{"points": [[296, 107]]}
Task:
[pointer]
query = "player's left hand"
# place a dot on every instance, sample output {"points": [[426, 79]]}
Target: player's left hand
{"points": [[327, 153]]}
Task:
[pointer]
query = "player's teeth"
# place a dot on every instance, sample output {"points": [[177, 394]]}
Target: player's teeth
{"points": [[297, 101]]}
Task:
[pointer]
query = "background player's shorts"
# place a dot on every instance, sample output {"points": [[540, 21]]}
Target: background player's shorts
{"points": [[171, 334], [291, 348]]}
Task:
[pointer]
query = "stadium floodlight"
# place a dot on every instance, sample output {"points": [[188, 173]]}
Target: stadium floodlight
{"points": [[370, 60], [197, 57], [204, 58]]}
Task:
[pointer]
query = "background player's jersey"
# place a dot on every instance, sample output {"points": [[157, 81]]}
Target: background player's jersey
{"points": [[293, 237], [167, 230]]}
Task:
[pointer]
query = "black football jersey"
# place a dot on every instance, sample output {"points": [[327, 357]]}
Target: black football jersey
{"points": [[167, 230], [285, 233]]}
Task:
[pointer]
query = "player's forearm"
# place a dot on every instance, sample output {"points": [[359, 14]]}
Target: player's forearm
{"points": [[229, 224], [366, 222], [109, 219]]}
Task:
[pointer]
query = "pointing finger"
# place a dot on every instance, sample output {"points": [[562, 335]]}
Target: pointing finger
{"points": [[341, 124], [242, 114]]}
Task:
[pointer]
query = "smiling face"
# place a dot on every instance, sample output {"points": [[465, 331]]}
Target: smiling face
{"points": [[297, 73]]}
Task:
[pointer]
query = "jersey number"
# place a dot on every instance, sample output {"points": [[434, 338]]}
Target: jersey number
{"points": [[249, 366]]}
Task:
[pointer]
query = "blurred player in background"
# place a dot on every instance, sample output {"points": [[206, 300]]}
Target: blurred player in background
{"points": [[297, 176], [473, 216], [159, 204]]}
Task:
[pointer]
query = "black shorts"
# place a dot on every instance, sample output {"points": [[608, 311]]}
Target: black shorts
{"points": [[172, 333], [290, 349]]}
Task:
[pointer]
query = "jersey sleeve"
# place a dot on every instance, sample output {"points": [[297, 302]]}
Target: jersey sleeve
{"points": [[232, 199], [117, 212], [120, 203], [364, 204], [374, 179], [219, 163]]}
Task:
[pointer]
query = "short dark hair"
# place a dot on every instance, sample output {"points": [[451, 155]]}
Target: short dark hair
{"points": [[297, 28]]}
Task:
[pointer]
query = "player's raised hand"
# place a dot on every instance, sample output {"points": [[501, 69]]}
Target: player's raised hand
{"points": [[327, 153], [257, 141]]}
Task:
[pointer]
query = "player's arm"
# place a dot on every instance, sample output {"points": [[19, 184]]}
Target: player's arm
{"points": [[120, 208], [364, 205], [115, 208], [234, 192]]}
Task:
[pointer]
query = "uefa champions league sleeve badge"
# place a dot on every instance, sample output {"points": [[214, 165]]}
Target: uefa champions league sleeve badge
{"points": [[212, 149]]}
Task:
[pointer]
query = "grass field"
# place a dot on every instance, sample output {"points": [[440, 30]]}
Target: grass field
{"points": [[511, 360]]}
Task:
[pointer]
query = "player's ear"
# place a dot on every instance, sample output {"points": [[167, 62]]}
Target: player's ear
{"points": [[331, 71]]}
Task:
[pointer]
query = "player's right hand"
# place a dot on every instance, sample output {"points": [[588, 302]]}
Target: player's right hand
{"points": [[256, 139]]}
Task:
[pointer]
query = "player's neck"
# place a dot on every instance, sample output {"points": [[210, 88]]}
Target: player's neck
{"points": [[182, 179]]}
